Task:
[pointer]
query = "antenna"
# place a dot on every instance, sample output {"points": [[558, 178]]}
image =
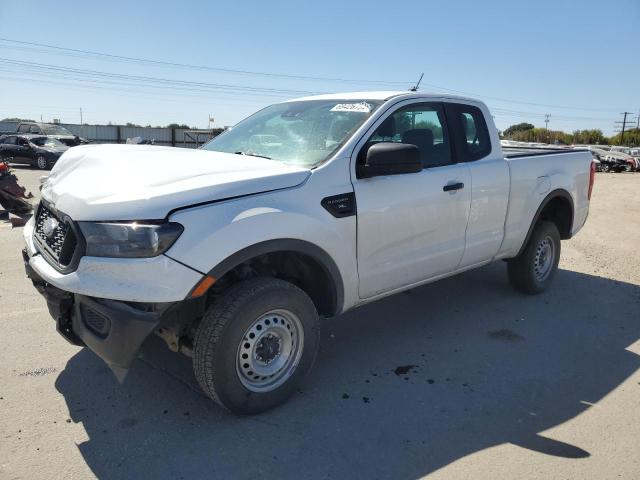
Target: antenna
{"points": [[417, 85]]}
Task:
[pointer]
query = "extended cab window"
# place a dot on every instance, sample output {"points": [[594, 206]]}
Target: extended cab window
{"points": [[470, 131], [422, 125]]}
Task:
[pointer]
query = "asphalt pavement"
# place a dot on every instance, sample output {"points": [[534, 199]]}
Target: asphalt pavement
{"points": [[464, 378]]}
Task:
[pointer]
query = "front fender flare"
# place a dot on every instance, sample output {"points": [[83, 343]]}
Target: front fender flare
{"points": [[290, 245]]}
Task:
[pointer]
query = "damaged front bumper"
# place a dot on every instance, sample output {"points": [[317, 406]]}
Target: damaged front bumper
{"points": [[113, 330]]}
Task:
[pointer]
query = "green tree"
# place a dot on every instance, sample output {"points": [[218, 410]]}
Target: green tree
{"points": [[16, 119], [589, 137], [513, 129], [542, 135], [631, 138]]}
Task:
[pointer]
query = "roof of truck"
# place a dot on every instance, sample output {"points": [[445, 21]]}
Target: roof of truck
{"points": [[378, 95]]}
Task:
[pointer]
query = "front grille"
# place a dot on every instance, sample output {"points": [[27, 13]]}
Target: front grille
{"points": [[59, 242]]}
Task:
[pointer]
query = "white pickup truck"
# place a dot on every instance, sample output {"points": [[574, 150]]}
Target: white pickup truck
{"points": [[306, 209]]}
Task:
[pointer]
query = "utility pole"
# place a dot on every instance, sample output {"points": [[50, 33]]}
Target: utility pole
{"points": [[547, 117], [623, 125]]}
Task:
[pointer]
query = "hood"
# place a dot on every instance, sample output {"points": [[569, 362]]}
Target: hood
{"points": [[143, 182]]}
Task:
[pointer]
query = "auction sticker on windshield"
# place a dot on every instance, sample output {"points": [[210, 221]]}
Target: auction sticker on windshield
{"points": [[361, 107]]}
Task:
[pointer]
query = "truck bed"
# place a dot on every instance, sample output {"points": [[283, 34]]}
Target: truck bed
{"points": [[536, 172]]}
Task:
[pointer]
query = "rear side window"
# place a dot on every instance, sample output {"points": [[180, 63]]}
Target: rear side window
{"points": [[470, 131], [24, 128], [34, 129], [9, 141]]}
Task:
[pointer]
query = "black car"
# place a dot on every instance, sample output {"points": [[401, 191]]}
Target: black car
{"points": [[51, 130], [36, 150]]}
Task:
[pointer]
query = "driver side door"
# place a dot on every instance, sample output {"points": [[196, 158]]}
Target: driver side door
{"points": [[411, 227]]}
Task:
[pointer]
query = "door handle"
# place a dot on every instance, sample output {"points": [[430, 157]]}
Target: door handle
{"points": [[453, 186]]}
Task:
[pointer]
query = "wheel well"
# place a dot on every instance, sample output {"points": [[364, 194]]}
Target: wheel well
{"points": [[301, 269], [559, 210]]}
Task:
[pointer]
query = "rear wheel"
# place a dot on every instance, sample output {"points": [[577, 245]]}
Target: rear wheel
{"points": [[533, 270], [255, 343], [604, 167]]}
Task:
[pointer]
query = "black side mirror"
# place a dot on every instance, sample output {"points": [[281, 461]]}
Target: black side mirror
{"points": [[388, 158]]}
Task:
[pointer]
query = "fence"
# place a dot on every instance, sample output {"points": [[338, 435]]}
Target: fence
{"points": [[176, 137]]}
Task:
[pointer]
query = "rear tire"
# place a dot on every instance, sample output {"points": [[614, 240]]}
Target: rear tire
{"points": [[255, 343], [533, 270]]}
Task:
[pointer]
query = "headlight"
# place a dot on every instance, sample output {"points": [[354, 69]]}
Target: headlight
{"points": [[129, 239]]}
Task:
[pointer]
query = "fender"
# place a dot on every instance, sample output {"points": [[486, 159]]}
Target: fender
{"points": [[289, 245], [554, 194]]}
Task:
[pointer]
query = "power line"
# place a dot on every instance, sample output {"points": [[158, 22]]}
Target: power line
{"points": [[103, 55], [202, 67], [107, 77]]}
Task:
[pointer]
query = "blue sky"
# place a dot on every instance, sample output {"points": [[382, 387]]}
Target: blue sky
{"points": [[578, 61]]}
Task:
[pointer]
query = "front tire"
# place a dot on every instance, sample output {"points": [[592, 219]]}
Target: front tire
{"points": [[255, 343], [533, 270], [42, 163]]}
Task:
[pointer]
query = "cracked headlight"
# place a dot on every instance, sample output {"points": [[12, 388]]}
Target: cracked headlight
{"points": [[131, 240]]}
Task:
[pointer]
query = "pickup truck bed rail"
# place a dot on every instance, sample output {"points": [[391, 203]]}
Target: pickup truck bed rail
{"points": [[516, 152]]}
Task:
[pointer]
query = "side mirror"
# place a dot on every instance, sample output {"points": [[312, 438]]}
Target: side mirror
{"points": [[388, 158]]}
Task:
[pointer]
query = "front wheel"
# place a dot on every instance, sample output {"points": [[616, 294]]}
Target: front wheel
{"points": [[533, 270], [255, 343], [41, 162]]}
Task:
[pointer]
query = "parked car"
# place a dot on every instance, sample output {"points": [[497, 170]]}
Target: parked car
{"points": [[606, 165], [35, 150], [51, 130], [235, 258], [621, 162]]}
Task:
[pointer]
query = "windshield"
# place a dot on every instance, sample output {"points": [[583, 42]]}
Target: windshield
{"points": [[302, 133], [55, 130], [47, 142]]}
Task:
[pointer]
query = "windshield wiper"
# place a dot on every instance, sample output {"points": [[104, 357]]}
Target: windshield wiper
{"points": [[252, 155]]}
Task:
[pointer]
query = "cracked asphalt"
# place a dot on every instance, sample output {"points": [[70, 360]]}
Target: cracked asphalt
{"points": [[463, 378]]}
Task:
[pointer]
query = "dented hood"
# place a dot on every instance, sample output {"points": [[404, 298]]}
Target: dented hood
{"points": [[142, 182]]}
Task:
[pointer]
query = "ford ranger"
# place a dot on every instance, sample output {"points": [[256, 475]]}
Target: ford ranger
{"points": [[233, 253]]}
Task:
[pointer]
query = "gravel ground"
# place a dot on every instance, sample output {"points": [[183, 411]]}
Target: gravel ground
{"points": [[460, 379]]}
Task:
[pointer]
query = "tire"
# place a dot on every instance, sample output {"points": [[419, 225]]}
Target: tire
{"points": [[533, 270], [604, 167], [42, 163], [262, 324], [627, 168]]}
